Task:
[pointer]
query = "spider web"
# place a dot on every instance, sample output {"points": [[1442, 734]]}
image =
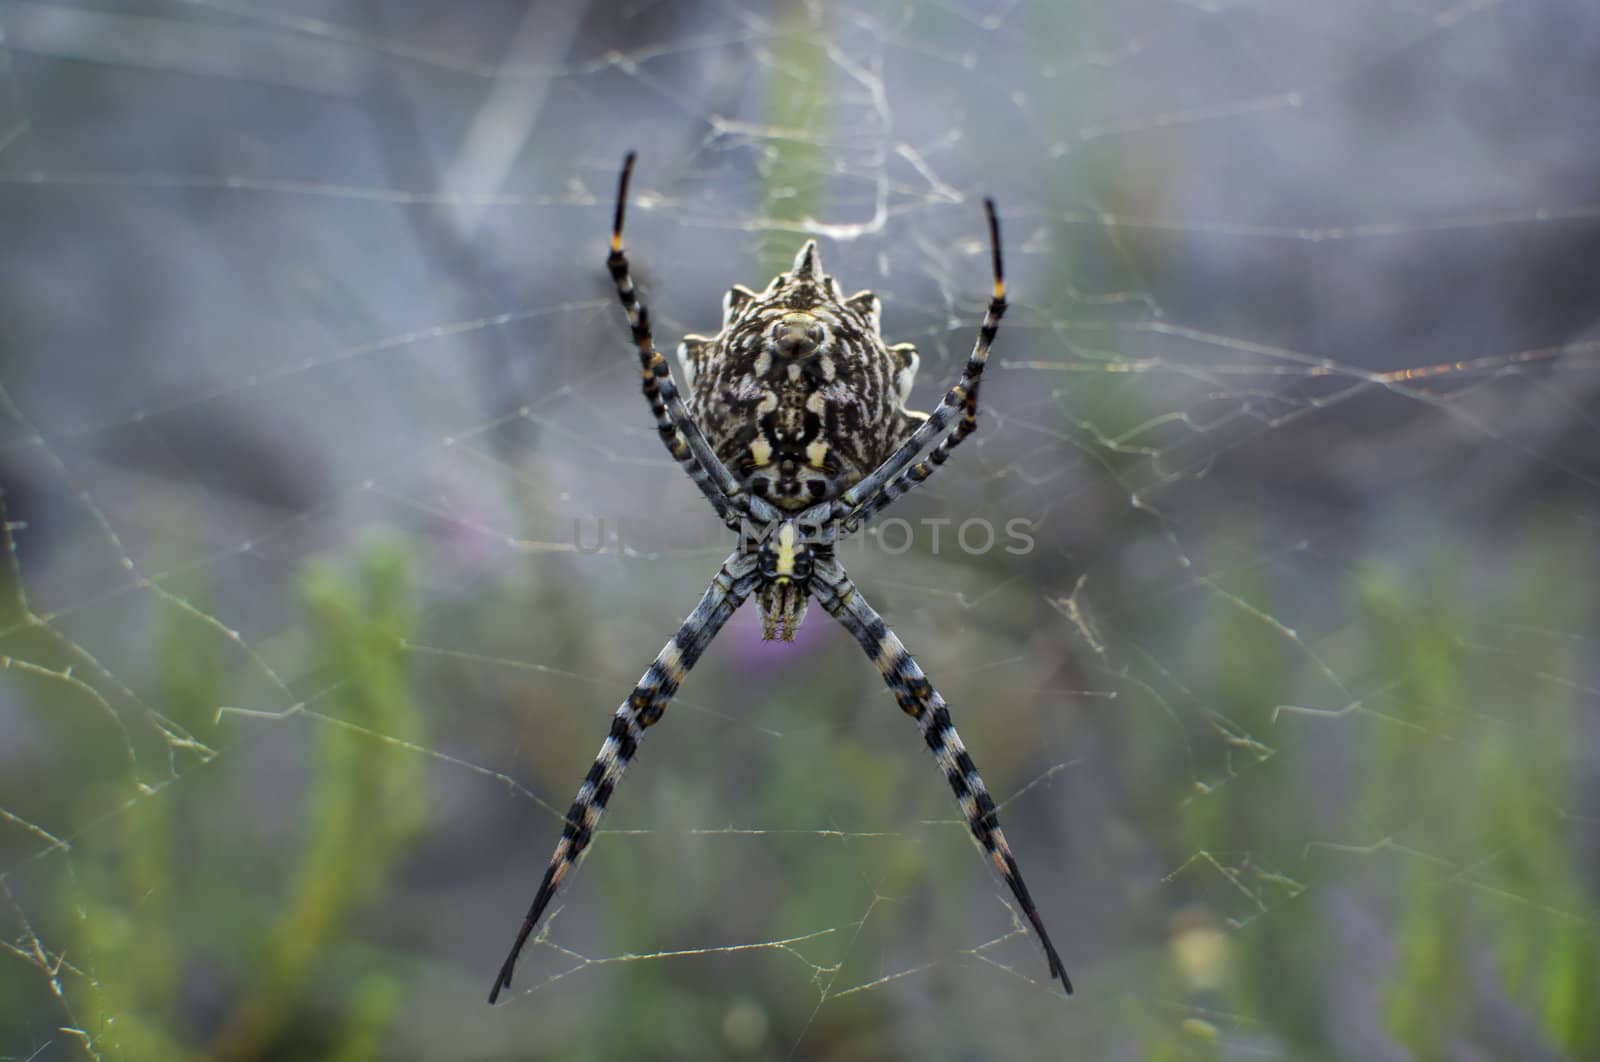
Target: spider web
{"points": [[1263, 595]]}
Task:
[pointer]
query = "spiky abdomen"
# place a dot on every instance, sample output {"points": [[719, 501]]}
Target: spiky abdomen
{"points": [[798, 394], [797, 442]]}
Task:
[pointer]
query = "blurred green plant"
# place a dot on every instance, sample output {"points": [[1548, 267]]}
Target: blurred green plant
{"points": [[367, 800], [797, 115], [1491, 756], [1469, 767]]}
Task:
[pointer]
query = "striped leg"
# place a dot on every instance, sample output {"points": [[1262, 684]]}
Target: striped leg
{"points": [[962, 399], [677, 429], [920, 471], [728, 589], [917, 698]]}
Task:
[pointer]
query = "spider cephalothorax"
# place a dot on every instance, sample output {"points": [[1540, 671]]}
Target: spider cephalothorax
{"points": [[796, 432], [797, 393]]}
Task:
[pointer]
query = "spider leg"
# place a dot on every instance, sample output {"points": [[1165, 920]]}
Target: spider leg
{"points": [[962, 397], [728, 589], [678, 431], [916, 696], [913, 476]]}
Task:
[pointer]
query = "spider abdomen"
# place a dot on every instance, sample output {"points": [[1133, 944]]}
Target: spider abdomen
{"points": [[797, 394]]}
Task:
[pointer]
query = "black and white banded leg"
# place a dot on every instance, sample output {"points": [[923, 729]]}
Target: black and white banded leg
{"points": [[961, 401], [728, 589], [914, 476], [677, 429], [837, 593]]}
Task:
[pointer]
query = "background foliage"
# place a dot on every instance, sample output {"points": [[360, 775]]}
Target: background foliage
{"points": [[335, 529]]}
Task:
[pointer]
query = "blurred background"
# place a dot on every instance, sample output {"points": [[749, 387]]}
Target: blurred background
{"points": [[335, 528]]}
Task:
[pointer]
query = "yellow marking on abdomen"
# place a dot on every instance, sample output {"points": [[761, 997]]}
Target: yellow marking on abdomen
{"points": [[816, 452], [760, 451]]}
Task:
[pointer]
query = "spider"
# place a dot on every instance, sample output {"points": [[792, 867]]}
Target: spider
{"points": [[795, 429]]}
